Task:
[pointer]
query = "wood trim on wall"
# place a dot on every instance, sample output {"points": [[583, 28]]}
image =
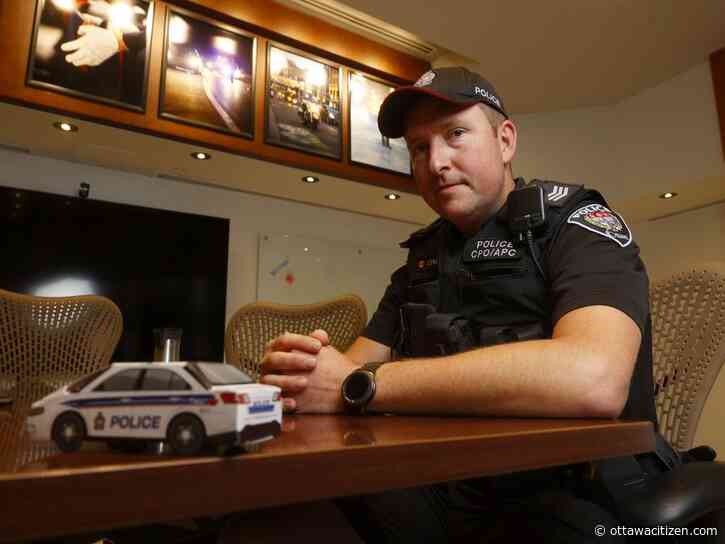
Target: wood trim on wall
{"points": [[257, 16], [717, 67]]}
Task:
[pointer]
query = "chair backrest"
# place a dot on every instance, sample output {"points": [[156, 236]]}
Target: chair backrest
{"points": [[688, 344], [47, 342], [253, 325]]}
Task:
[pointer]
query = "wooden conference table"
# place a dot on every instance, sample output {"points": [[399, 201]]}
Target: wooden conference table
{"points": [[44, 493]]}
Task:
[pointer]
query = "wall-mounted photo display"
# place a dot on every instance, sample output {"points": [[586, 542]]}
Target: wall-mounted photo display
{"points": [[98, 50], [367, 145], [303, 103], [207, 78]]}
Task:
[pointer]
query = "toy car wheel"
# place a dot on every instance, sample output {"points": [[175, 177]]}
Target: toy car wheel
{"points": [[186, 435], [69, 432]]}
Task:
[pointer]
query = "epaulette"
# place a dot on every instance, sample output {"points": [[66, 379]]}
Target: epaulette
{"points": [[424, 232], [557, 194]]}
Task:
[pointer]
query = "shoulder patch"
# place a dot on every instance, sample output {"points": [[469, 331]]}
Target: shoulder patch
{"points": [[601, 220], [555, 193]]}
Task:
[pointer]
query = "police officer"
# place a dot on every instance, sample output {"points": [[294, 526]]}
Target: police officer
{"points": [[521, 300]]}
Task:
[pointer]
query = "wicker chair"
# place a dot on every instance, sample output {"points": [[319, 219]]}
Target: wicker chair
{"points": [[47, 342], [253, 325], [688, 335], [688, 344]]}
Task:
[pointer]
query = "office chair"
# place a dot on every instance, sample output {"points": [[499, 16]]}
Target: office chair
{"points": [[688, 345], [47, 342], [688, 336], [253, 325]]}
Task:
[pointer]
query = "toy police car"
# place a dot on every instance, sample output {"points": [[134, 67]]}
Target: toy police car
{"points": [[186, 404]]}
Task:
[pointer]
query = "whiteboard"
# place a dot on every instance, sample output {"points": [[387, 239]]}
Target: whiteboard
{"points": [[301, 270]]}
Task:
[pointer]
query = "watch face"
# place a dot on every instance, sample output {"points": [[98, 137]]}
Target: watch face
{"points": [[357, 387]]}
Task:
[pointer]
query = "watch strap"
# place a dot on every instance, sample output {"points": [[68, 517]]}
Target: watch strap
{"points": [[372, 367]]}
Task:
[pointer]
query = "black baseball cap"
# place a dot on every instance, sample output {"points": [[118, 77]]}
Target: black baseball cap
{"points": [[456, 85]]}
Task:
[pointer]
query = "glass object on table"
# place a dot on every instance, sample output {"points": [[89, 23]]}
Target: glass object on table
{"points": [[167, 344]]}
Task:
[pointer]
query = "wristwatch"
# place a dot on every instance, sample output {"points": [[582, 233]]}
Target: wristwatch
{"points": [[358, 389]]}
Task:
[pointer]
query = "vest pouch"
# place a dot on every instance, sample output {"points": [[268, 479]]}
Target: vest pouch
{"points": [[412, 342], [492, 336], [484, 272], [425, 292], [447, 334]]}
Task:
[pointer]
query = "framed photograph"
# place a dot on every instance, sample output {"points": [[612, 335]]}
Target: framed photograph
{"points": [[95, 50], [368, 146], [207, 77], [303, 103]]}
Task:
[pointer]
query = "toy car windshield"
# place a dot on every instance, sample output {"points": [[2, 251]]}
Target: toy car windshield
{"points": [[220, 374], [76, 386]]}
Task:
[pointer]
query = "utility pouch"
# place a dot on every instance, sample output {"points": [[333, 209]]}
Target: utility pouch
{"points": [[411, 342], [491, 336], [447, 334]]}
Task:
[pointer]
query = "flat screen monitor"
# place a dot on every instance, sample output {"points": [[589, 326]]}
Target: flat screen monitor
{"points": [[163, 269]]}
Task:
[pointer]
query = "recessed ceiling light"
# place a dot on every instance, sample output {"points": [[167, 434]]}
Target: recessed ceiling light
{"points": [[201, 156], [65, 127], [310, 179], [668, 195], [392, 196]]}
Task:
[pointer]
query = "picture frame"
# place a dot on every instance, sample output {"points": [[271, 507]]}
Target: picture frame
{"points": [[303, 102], [208, 74], [368, 147], [94, 51]]}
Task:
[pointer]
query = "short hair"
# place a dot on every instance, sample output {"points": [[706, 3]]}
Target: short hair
{"points": [[495, 118]]}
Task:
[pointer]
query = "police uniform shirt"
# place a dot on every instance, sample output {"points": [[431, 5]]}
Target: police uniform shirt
{"points": [[583, 267]]}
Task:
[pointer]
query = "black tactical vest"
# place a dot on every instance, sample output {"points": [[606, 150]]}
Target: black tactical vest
{"points": [[488, 283], [484, 290]]}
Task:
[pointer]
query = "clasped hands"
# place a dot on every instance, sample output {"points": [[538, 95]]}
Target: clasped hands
{"points": [[308, 370]]}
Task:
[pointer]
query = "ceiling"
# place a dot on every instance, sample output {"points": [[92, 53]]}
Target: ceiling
{"points": [[29, 130], [563, 54], [542, 56]]}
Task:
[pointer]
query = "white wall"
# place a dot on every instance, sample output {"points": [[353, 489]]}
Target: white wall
{"points": [[668, 243], [661, 137], [248, 214]]}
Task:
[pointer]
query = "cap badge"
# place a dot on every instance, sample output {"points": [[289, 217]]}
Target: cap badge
{"points": [[426, 79]]}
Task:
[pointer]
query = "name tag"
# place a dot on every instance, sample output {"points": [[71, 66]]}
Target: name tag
{"points": [[489, 249]]}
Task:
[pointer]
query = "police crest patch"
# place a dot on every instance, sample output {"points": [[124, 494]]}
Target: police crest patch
{"points": [[601, 220]]}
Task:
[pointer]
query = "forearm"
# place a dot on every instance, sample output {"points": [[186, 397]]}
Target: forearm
{"points": [[575, 374], [523, 379]]}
